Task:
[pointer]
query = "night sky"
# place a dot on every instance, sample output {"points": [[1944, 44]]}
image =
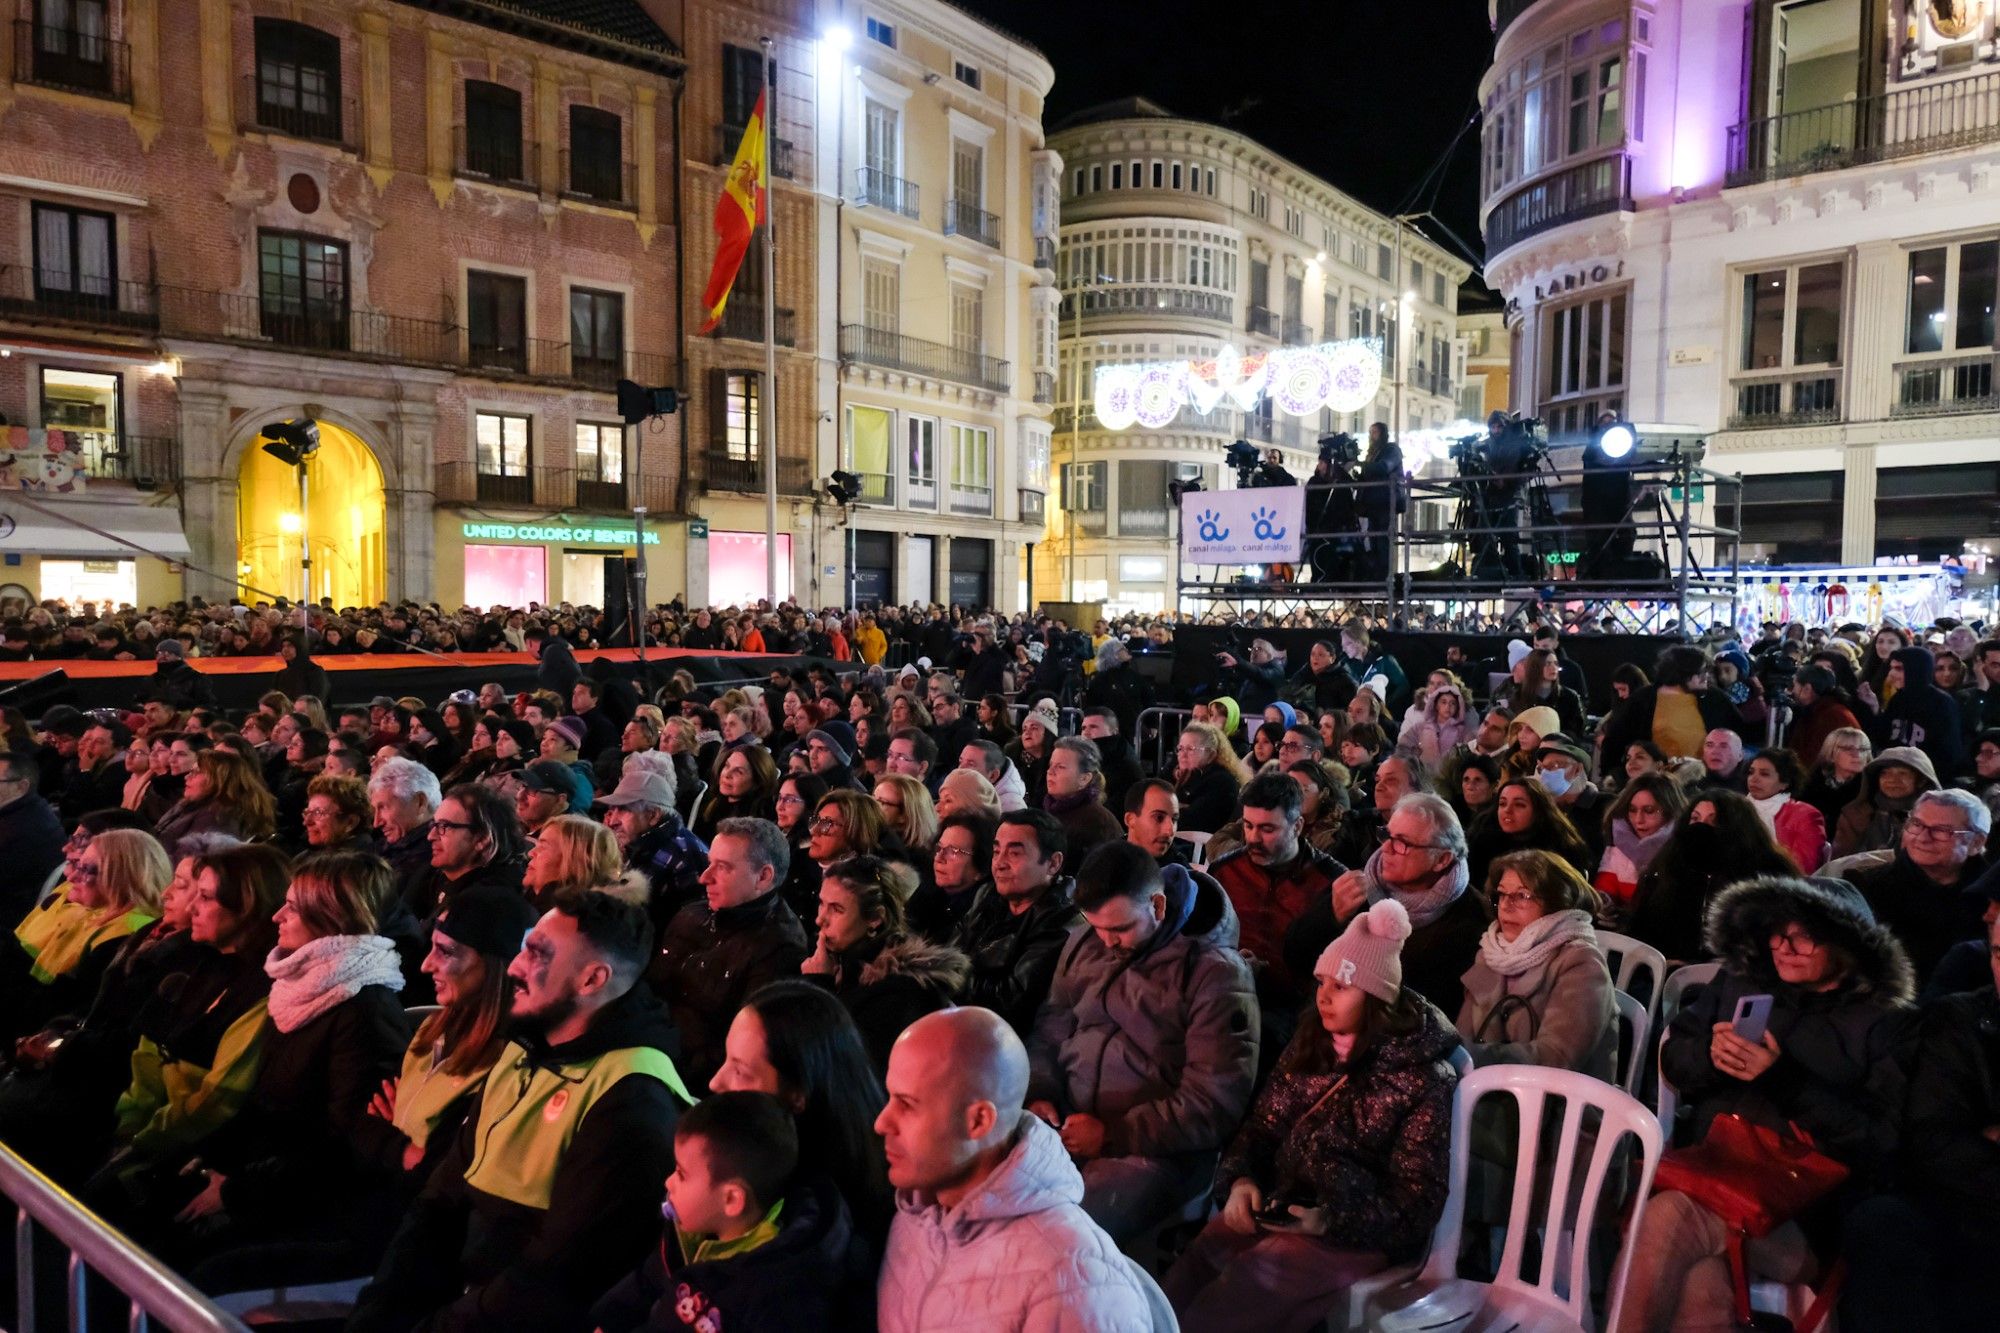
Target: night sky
{"points": [[1365, 94]]}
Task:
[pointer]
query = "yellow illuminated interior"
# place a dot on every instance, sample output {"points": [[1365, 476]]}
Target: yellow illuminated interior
{"points": [[345, 518]]}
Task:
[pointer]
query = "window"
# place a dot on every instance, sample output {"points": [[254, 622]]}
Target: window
{"points": [[85, 403], [1563, 100], [1159, 175], [492, 145], [1208, 184], [1595, 106], [1035, 462], [920, 450], [1792, 317], [1951, 297], [965, 74], [1385, 262], [1096, 179], [70, 46], [881, 139], [1080, 179], [1417, 276], [502, 441], [302, 289], [600, 452], [741, 417], [742, 83], [74, 256], [968, 174], [885, 33], [597, 334], [298, 80], [496, 320], [596, 154], [1117, 175], [1177, 175], [1329, 318], [968, 319], [1084, 487], [1437, 289], [1584, 364], [881, 295]]}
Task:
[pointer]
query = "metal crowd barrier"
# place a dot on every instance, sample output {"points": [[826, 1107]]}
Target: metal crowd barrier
{"points": [[153, 1293], [1159, 734]]}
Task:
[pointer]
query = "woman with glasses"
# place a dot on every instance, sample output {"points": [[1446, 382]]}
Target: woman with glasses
{"points": [[1985, 780], [887, 976], [1890, 786], [1835, 780], [746, 787], [961, 865], [1828, 1067], [799, 795], [1208, 778], [61, 952], [224, 793], [337, 815], [1719, 841], [1540, 993]]}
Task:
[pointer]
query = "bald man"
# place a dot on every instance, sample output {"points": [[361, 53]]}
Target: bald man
{"points": [[989, 1231]]}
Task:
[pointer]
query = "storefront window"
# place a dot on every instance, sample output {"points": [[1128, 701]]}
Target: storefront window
{"points": [[105, 582], [736, 573], [505, 575]]}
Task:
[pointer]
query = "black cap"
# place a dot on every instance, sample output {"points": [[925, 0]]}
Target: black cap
{"points": [[548, 775], [489, 918]]}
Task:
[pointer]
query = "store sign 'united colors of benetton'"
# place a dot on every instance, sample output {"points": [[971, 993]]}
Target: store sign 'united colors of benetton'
{"points": [[553, 532]]}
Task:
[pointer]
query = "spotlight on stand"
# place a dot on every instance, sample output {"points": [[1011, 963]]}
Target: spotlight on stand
{"points": [[1608, 494], [1180, 486], [636, 402], [1617, 440], [291, 442], [843, 487]]}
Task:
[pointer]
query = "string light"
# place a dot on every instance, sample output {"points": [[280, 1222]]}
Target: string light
{"points": [[1299, 381]]}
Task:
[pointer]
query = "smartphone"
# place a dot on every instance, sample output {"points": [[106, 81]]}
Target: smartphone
{"points": [[1277, 1213], [1753, 1015]]}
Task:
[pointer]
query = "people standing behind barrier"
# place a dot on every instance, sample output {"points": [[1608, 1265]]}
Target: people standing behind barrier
{"points": [[1719, 841], [1364, 659]]}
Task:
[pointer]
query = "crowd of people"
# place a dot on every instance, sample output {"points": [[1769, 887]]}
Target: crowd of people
{"points": [[937, 997]]}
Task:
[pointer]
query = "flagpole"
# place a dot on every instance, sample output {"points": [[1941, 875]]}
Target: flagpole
{"points": [[767, 404]]}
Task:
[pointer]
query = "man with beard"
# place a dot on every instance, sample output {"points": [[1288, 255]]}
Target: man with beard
{"points": [[1144, 1054], [1152, 817], [552, 1191]]}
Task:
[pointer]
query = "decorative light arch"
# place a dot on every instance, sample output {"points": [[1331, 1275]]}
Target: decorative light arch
{"points": [[1299, 381]]}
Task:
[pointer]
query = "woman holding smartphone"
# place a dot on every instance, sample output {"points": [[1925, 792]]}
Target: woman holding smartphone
{"points": [[1807, 1031]]}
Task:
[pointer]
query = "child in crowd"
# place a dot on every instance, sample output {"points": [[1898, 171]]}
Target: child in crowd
{"points": [[748, 1245]]}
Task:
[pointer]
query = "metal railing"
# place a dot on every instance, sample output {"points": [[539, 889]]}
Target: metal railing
{"points": [[743, 319], [1159, 732], [1091, 522], [1294, 332], [1946, 386], [594, 180], [728, 138], [962, 217], [153, 1295], [147, 460], [730, 472], [67, 297], [543, 487], [331, 119], [1933, 116], [1263, 322], [76, 62], [537, 358], [879, 189], [921, 493], [976, 501], [593, 493], [1586, 190], [877, 488], [245, 317], [1142, 522], [1790, 398], [894, 351], [1045, 253], [497, 161], [599, 372], [1173, 300], [1045, 387]]}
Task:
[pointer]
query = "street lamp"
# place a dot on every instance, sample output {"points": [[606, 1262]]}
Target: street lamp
{"points": [[1078, 291], [292, 443]]}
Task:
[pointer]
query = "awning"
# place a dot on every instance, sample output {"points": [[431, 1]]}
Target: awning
{"points": [[60, 526]]}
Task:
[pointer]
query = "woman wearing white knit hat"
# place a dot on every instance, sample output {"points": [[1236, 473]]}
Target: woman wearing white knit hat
{"points": [[1343, 1164]]}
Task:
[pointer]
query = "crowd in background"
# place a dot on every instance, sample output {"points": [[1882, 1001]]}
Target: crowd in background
{"points": [[993, 990]]}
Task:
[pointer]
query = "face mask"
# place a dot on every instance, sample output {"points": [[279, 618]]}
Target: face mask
{"points": [[1555, 781]]}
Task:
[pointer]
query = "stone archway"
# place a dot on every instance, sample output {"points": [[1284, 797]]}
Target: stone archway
{"points": [[345, 520]]}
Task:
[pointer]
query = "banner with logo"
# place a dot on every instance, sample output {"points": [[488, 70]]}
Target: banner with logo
{"points": [[1262, 526], [49, 460]]}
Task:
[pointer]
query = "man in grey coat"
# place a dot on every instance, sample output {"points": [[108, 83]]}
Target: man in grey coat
{"points": [[1145, 1053]]}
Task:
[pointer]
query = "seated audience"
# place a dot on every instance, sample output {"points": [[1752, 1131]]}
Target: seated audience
{"points": [[1017, 925], [961, 866], [1649, 808], [61, 950], [885, 975], [1769, 780], [1074, 794], [1719, 841], [1926, 895], [1526, 818], [640, 812], [1208, 778], [1890, 786]]}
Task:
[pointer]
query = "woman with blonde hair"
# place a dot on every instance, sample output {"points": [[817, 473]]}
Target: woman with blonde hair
{"points": [[225, 793], [907, 710], [965, 791], [113, 893], [908, 811], [847, 823], [571, 852], [1208, 778], [314, 712]]}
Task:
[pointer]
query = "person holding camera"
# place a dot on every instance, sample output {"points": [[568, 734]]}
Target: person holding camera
{"points": [[1377, 500], [1254, 681]]}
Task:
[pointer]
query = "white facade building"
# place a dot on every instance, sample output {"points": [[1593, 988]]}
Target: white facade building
{"points": [[1179, 238], [1776, 222]]}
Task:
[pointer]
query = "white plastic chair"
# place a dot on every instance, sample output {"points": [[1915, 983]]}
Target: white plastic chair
{"points": [[419, 1012], [1198, 841], [1438, 1299], [317, 1301], [1633, 1051], [1679, 981], [1629, 959]]}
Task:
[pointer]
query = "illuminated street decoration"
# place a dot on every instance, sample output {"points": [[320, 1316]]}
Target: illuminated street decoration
{"points": [[1299, 381]]}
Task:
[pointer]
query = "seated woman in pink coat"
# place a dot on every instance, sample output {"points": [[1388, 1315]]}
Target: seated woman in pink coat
{"points": [[1800, 828]]}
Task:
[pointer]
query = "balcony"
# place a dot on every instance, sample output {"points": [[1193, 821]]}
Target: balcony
{"points": [[1294, 332], [1262, 322], [1586, 190], [1142, 522], [972, 500], [962, 217], [537, 358], [728, 138], [1931, 117], [1506, 11], [727, 471], [1786, 398], [1045, 253], [878, 189], [147, 461], [892, 351], [595, 179], [600, 496], [1188, 301], [877, 488], [66, 297], [1045, 387], [75, 62], [1090, 522], [268, 108], [535, 488], [1947, 386], [923, 494], [495, 160], [743, 320]]}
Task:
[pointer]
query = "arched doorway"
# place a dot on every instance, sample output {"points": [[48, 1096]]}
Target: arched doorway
{"points": [[346, 521]]}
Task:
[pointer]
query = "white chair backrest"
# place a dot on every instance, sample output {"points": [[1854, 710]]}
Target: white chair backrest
{"points": [[1679, 982], [419, 1012], [1198, 841], [1461, 1060], [1563, 1283], [1635, 1026], [1631, 960]]}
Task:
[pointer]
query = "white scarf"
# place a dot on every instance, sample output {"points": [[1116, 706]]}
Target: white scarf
{"points": [[1767, 809], [1536, 944], [328, 972]]}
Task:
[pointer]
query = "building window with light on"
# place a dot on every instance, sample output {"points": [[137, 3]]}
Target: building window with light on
{"points": [[1583, 364], [1788, 358], [1950, 295]]}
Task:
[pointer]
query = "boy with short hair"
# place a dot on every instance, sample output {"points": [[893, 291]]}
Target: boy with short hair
{"points": [[746, 1246]]}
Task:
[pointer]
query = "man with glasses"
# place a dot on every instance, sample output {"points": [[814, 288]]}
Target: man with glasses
{"points": [[951, 730], [912, 754], [475, 839], [1921, 894], [29, 831], [990, 761]]}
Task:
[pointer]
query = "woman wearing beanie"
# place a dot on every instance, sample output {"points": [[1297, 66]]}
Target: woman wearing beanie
{"points": [[1525, 734], [1343, 1164], [1030, 752]]}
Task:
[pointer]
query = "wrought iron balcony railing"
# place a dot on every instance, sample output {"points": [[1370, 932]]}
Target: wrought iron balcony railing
{"points": [[76, 62], [894, 351]]}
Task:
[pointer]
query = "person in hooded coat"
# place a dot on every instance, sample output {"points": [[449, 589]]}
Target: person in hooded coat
{"points": [[1918, 713], [1890, 785], [1444, 722]]}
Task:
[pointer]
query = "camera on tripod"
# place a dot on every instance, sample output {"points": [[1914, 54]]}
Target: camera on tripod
{"points": [[1340, 449], [1244, 458]]}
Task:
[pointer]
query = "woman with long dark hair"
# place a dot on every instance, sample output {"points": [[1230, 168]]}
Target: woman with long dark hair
{"points": [[1525, 818], [223, 794], [1720, 841], [746, 787], [1636, 829], [797, 1042]]}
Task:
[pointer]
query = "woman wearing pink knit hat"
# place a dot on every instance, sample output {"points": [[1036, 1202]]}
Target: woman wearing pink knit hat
{"points": [[1343, 1164]]}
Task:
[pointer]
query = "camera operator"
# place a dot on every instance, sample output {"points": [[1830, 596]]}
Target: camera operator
{"points": [[1272, 471], [1330, 512], [1378, 500], [1508, 450]]}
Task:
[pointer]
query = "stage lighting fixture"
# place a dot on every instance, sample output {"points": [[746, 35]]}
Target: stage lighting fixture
{"points": [[842, 487], [636, 402], [292, 442], [1180, 486], [1617, 440]]}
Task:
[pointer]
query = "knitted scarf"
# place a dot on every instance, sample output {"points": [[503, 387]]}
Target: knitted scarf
{"points": [[1537, 942], [326, 973], [1639, 851], [1062, 805], [1423, 905]]}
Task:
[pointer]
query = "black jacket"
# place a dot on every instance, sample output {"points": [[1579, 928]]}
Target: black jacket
{"points": [[176, 683], [1954, 1098], [83, 792], [558, 670], [1124, 691], [465, 1260], [32, 837], [1208, 799], [710, 962], [1121, 771], [888, 985], [1926, 916], [1014, 957], [1922, 715], [429, 888]]}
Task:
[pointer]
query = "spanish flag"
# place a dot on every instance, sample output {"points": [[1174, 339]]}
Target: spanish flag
{"points": [[738, 213]]}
